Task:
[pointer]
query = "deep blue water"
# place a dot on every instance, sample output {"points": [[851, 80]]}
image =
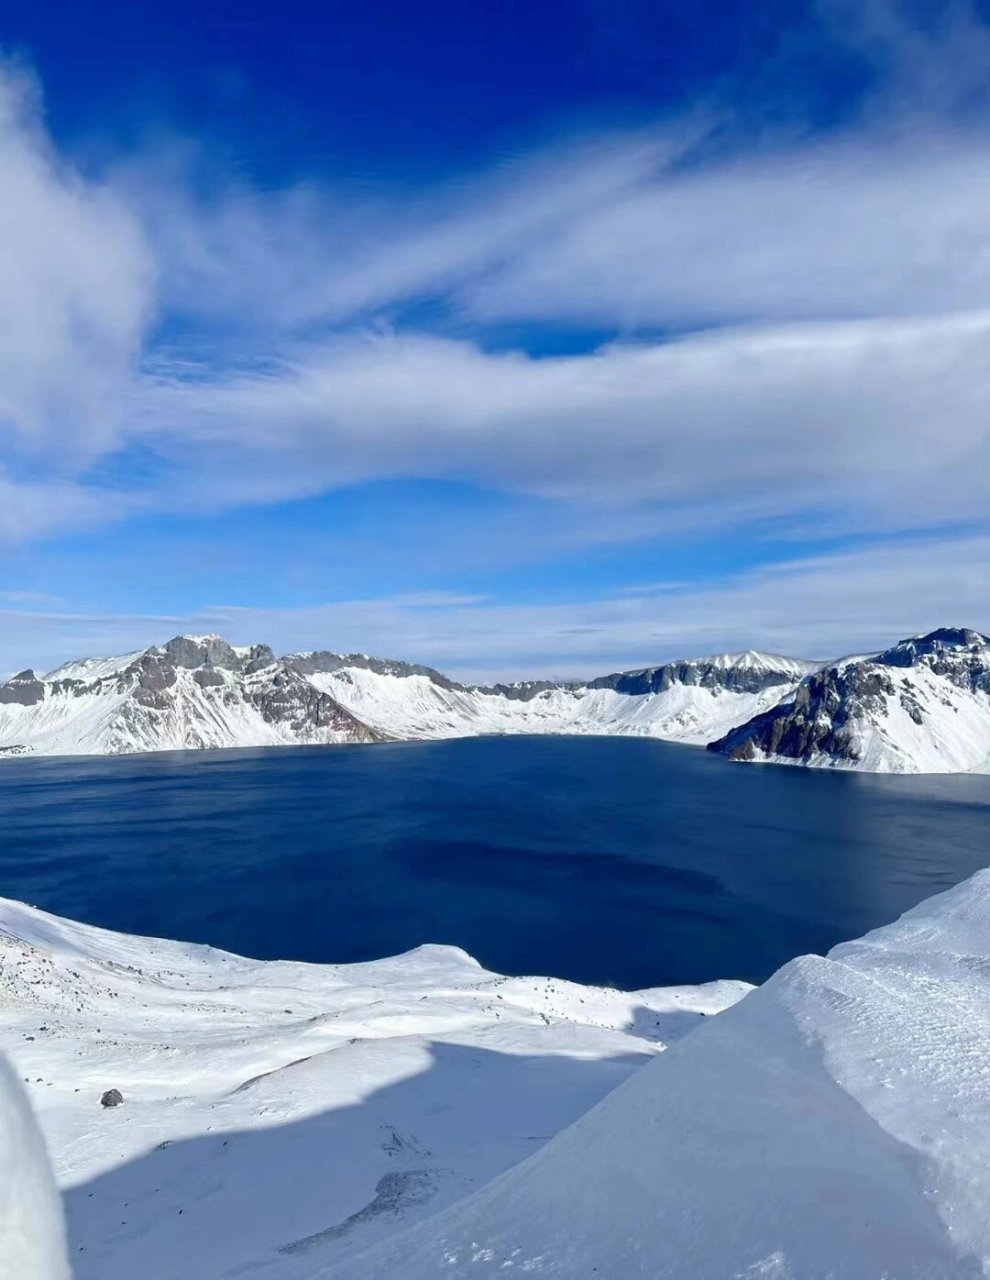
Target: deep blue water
{"points": [[612, 860]]}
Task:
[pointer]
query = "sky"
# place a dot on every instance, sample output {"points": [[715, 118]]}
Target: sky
{"points": [[517, 339]]}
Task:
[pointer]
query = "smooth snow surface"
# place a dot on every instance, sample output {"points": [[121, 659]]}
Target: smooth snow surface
{"points": [[835, 1125], [278, 1117], [32, 1240]]}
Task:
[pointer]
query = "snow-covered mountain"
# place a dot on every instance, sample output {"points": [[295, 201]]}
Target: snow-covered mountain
{"points": [[688, 701], [194, 691], [199, 691], [922, 706], [419, 1117]]}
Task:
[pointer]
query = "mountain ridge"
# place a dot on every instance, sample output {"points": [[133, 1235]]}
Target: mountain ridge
{"points": [[198, 691], [921, 705]]}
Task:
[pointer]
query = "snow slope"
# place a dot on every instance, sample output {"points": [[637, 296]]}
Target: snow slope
{"points": [[834, 1125], [690, 701], [922, 706], [279, 1118], [397, 1118], [414, 707]]}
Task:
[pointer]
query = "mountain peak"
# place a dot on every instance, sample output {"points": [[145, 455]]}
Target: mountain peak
{"points": [[961, 637], [199, 651]]}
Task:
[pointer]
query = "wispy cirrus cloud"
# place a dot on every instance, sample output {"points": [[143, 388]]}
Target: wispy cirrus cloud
{"points": [[881, 421], [842, 286]]}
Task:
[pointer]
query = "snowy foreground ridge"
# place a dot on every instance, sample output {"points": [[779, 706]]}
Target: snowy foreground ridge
{"points": [[418, 1118], [921, 706], [279, 1118]]}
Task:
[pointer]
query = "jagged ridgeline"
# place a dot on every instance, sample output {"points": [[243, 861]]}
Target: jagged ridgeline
{"points": [[922, 705]]}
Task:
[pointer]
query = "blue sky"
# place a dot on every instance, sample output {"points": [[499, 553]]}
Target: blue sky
{"points": [[512, 338]]}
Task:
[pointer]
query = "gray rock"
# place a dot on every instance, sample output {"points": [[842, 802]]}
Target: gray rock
{"points": [[815, 722], [260, 657], [185, 651], [706, 675], [325, 660], [112, 1098], [288, 698], [24, 689]]}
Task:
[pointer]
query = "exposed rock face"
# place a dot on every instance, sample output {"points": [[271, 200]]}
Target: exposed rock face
{"points": [[853, 711], [24, 689], [739, 677], [259, 657], [287, 698], [922, 705], [521, 690], [197, 651]]}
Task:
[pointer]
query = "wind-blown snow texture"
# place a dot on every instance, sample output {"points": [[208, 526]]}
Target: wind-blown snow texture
{"points": [[280, 1117], [922, 706], [397, 1118], [835, 1123]]}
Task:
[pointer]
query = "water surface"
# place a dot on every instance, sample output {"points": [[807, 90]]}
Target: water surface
{"points": [[609, 860]]}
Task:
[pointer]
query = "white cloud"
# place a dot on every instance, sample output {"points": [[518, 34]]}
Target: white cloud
{"points": [[842, 383], [818, 607], [882, 223], [881, 423], [75, 292]]}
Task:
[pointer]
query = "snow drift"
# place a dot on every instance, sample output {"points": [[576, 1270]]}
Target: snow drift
{"points": [[280, 1117], [32, 1238], [835, 1123], [396, 1119]]}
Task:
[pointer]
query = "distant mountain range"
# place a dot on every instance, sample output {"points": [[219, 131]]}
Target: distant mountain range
{"points": [[921, 706]]}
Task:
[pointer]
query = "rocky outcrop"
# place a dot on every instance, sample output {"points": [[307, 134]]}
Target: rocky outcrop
{"points": [[24, 689], [854, 711], [749, 674], [288, 699], [921, 705]]}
